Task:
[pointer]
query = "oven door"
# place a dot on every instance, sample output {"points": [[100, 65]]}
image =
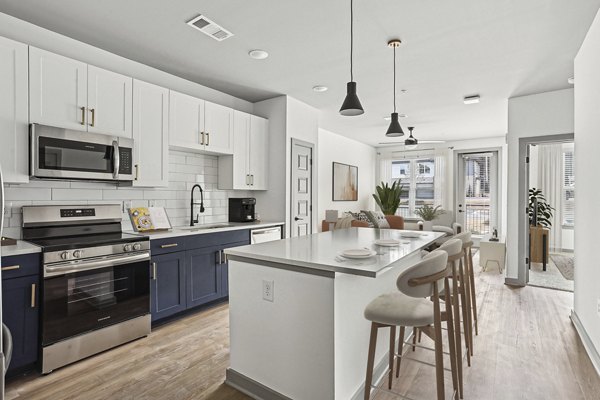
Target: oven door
{"points": [[94, 297], [65, 154]]}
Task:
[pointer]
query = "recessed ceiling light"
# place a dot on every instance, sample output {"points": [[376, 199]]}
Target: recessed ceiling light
{"points": [[320, 88], [258, 54], [388, 118], [571, 80], [471, 99]]}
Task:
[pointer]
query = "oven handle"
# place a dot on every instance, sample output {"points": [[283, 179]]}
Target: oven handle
{"points": [[54, 270], [116, 159]]}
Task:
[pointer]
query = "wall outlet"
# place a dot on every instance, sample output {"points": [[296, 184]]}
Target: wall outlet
{"points": [[8, 210], [126, 205], [268, 288]]}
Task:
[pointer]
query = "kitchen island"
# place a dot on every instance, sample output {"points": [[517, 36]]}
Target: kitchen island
{"points": [[297, 329]]}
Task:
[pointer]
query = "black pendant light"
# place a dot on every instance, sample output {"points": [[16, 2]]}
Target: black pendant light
{"points": [[411, 143], [351, 105], [395, 129]]}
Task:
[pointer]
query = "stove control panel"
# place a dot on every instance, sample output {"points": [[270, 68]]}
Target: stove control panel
{"points": [[77, 212]]}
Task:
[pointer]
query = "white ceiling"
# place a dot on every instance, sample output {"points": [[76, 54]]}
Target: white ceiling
{"points": [[495, 48]]}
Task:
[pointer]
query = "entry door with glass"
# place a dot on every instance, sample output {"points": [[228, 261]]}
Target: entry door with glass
{"points": [[477, 192]]}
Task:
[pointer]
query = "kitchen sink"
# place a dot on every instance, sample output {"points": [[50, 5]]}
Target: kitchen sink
{"points": [[204, 227]]}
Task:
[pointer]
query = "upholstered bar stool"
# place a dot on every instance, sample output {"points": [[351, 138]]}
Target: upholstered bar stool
{"points": [[471, 296], [454, 249], [412, 306]]}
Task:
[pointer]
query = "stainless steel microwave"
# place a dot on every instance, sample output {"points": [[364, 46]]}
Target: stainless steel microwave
{"points": [[57, 153]]}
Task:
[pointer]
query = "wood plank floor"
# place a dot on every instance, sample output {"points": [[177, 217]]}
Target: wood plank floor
{"points": [[527, 348]]}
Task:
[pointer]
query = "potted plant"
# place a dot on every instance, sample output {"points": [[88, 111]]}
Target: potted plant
{"points": [[540, 222], [428, 214], [388, 197]]}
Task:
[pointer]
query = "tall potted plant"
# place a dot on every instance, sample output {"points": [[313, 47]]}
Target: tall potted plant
{"points": [[388, 197], [540, 222], [428, 214]]}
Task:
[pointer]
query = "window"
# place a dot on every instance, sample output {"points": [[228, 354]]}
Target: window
{"points": [[417, 178], [568, 190]]}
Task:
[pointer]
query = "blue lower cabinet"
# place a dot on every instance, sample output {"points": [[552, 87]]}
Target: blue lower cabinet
{"points": [[203, 275], [167, 285], [20, 313]]}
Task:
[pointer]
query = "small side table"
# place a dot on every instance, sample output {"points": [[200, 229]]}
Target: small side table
{"points": [[492, 252]]}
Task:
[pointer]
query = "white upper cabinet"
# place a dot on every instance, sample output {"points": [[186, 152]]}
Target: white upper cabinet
{"points": [[13, 111], [74, 95], [109, 102], [57, 90], [246, 168], [218, 128], [258, 152], [150, 134], [184, 121]]}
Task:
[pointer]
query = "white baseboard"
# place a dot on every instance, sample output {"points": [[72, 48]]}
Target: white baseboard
{"points": [[587, 341]]}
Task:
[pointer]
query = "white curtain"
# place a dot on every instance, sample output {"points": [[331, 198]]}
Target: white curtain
{"points": [[440, 178], [385, 170], [550, 182]]}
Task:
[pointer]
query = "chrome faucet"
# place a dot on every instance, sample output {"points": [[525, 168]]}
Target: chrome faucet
{"points": [[192, 203]]}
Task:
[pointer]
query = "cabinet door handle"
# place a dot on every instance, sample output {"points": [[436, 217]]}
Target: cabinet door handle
{"points": [[93, 111], [166, 246], [153, 271], [11, 267], [252, 180], [207, 138], [82, 115], [137, 172], [33, 285], [224, 257], [219, 259], [201, 137]]}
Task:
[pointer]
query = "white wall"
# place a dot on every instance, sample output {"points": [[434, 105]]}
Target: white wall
{"points": [[542, 114], [337, 148], [587, 200], [36, 36]]}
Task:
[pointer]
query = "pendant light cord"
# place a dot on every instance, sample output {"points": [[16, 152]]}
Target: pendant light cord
{"points": [[351, 38], [394, 78]]}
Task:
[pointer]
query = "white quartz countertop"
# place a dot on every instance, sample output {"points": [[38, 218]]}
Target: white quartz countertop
{"points": [[209, 228], [320, 251], [20, 248]]}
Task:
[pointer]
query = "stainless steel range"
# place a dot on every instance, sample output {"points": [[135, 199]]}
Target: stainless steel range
{"points": [[96, 289]]}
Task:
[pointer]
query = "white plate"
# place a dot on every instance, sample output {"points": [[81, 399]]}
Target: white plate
{"points": [[411, 234], [387, 242], [358, 253]]}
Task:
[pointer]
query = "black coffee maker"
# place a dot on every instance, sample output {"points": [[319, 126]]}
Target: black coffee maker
{"points": [[242, 209]]}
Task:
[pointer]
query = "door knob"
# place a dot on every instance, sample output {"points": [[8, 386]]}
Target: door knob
{"points": [[298, 219]]}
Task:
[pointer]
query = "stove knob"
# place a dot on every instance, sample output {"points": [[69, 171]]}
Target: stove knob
{"points": [[137, 246], [77, 254], [64, 255], [127, 247]]}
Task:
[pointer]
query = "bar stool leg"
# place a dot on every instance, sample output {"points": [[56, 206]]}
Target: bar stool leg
{"points": [[400, 348], [392, 352], [371, 360], [457, 336], [468, 312], [464, 302], [473, 292], [439, 350], [415, 332], [451, 338]]}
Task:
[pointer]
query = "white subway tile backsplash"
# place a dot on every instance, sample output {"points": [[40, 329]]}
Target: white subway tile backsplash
{"points": [[185, 170]]}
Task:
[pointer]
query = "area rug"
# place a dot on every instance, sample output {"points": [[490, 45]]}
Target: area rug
{"points": [[565, 264]]}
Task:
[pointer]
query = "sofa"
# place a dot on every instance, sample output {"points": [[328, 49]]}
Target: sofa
{"points": [[395, 221]]}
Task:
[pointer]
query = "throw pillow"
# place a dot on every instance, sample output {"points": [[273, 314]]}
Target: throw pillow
{"points": [[378, 219], [361, 216]]}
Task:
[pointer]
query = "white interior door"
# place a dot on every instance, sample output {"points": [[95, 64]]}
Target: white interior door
{"points": [[151, 135], [57, 90], [301, 187], [477, 192], [109, 102]]}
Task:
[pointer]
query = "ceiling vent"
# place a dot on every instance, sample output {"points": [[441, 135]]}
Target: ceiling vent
{"points": [[209, 28]]}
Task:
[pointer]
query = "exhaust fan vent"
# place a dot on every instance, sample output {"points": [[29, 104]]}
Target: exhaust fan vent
{"points": [[209, 28]]}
